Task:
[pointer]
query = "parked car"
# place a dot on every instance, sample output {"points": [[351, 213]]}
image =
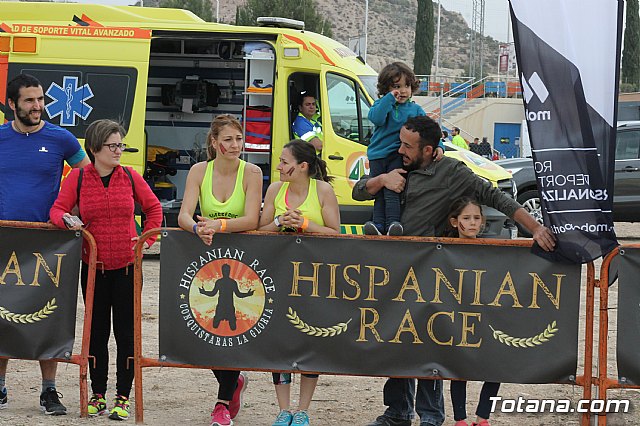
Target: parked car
{"points": [[626, 196]]}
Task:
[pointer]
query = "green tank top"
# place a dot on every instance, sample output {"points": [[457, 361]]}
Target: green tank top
{"points": [[214, 209], [310, 208]]}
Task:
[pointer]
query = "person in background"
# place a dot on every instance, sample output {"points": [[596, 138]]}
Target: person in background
{"points": [[485, 148], [396, 85], [475, 146], [106, 193], [32, 155], [303, 201], [229, 191], [458, 140], [466, 221], [307, 125]]}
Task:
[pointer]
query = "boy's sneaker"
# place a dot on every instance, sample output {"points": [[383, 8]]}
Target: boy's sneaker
{"points": [[284, 418], [220, 416], [395, 229], [485, 422], [3, 398], [300, 418], [50, 403], [120, 410], [97, 405], [370, 228], [236, 401], [461, 423]]}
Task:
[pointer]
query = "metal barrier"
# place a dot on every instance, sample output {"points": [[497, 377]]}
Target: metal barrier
{"points": [[81, 359], [585, 380], [603, 382]]}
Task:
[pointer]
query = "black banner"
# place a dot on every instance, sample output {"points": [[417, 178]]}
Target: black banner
{"points": [[628, 345], [570, 106], [363, 307], [39, 272]]}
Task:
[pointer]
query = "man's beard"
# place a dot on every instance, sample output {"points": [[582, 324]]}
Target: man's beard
{"points": [[23, 117], [415, 164]]}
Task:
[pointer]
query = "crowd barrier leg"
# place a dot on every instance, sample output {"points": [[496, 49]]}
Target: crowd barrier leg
{"points": [[604, 383], [137, 324], [587, 378]]}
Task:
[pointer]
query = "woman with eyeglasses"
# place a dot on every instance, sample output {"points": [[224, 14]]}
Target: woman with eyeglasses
{"points": [[105, 193]]}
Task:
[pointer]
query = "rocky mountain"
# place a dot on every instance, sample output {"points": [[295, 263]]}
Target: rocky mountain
{"points": [[391, 32]]}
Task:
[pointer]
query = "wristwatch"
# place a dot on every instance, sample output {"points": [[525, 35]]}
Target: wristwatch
{"points": [[276, 221]]}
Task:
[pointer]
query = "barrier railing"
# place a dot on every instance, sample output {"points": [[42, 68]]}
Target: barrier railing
{"points": [[140, 361], [81, 359], [604, 382]]}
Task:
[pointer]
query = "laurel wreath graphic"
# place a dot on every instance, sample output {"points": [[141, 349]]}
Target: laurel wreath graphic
{"points": [[526, 342], [43, 313], [316, 331]]}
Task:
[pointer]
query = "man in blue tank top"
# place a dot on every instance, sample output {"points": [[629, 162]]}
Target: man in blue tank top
{"points": [[32, 155]]}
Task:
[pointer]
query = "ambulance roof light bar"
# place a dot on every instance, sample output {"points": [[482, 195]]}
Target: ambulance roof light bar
{"points": [[273, 21]]}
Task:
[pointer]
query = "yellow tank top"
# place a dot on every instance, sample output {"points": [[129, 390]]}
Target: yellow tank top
{"points": [[310, 208], [212, 208]]}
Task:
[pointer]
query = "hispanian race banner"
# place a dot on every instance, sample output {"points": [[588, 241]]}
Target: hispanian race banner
{"points": [[38, 292], [368, 307], [570, 100], [628, 346]]}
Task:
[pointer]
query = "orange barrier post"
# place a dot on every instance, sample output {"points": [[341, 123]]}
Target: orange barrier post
{"points": [[81, 359], [587, 378]]}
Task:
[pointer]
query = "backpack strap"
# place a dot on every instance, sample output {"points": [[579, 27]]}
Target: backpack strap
{"points": [[79, 185], [133, 185]]}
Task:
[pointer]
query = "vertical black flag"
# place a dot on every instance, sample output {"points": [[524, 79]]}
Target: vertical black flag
{"points": [[569, 54]]}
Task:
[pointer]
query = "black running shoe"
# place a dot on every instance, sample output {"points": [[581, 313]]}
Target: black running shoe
{"points": [[50, 403]]}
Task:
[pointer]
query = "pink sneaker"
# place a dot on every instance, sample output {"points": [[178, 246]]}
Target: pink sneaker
{"points": [[461, 423], [220, 416], [485, 422], [236, 402]]}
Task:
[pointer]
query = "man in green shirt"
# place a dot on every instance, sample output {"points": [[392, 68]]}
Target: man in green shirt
{"points": [[457, 139]]}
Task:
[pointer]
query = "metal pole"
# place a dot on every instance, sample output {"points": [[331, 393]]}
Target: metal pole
{"points": [[217, 10], [366, 26], [438, 44], [441, 96]]}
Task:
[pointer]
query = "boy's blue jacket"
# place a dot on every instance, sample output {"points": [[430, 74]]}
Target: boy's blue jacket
{"points": [[389, 116]]}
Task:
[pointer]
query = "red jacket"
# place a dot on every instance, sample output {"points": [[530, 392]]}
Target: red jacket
{"points": [[108, 213]]}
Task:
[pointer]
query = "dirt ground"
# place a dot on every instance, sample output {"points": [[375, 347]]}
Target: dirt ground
{"points": [[174, 396]]}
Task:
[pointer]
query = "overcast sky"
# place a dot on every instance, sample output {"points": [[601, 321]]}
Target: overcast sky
{"points": [[496, 16]]}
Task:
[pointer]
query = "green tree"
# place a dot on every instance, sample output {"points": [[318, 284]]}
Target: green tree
{"points": [[631, 53], [202, 8], [424, 38], [304, 10]]}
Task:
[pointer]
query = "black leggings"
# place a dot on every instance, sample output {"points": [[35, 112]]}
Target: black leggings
{"points": [[113, 292], [227, 383], [459, 399]]}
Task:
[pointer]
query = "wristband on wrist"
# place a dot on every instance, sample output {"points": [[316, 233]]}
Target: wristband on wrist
{"points": [[305, 224], [276, 221], [195, 228], [223, 225]]}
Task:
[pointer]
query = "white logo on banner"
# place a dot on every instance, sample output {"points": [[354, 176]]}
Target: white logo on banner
{"points": [[535, 86]]}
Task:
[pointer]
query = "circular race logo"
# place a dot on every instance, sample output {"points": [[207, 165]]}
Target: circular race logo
{"points": [[227, 300]]}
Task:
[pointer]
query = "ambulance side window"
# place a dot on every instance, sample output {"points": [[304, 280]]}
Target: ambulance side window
{"points": [[349, 109]]}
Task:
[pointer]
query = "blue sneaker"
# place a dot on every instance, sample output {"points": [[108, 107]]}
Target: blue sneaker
{"points": [[3, 398], [300, 418], [284, 418]]}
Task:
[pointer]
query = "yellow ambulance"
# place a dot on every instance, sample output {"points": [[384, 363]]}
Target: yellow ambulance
{"points": [[164, 73]]}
